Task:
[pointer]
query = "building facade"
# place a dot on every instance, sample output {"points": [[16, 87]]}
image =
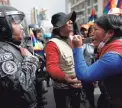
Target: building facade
{"points": [[84, 7], [4, 2]]}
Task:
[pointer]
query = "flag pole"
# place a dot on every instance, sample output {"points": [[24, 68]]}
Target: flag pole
{"points": [[31, 34]]}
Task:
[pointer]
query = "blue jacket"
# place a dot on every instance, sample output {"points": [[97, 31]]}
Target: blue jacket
{"points": [[109, 64]]}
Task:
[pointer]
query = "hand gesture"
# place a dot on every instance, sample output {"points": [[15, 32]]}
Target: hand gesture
{"points": [[25, 52], [72, 81], [77, 41]]}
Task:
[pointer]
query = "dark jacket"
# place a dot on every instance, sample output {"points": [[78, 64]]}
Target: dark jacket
{"points": [[17, 75]]}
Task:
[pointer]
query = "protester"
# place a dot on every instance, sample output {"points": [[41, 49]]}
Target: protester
{"points": [[60, 63], [18, 65], [103, 99], [88, 52], [84, 30], [108, 67], [37, 44], [88, 47]]}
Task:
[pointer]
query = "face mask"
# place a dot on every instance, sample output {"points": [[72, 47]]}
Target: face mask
{"points": [[101, 45]]}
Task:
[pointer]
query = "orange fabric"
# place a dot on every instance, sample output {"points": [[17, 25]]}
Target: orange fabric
{"points": [[86, 26]]}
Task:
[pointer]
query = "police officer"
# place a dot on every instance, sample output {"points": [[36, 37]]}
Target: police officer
{"points": [[38, 47], [40, 73], [17, 64]]}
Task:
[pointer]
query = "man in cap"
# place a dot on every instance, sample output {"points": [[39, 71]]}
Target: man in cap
{"points": [[60, 64]]}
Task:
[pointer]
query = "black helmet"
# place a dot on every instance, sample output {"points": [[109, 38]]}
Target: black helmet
{"points": [[8, 15], [35, 28]]}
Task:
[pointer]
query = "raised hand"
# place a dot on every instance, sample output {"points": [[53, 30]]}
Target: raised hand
{"points": [[77, 41]]}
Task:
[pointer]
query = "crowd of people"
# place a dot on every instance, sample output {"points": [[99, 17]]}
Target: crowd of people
{"points": [[76, 58]]}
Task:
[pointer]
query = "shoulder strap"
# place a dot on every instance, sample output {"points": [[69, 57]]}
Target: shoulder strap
{"points": [[13, 49]]}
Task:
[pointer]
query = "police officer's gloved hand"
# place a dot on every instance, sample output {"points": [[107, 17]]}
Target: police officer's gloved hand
{"points": [[29, 57], [25, 52]]}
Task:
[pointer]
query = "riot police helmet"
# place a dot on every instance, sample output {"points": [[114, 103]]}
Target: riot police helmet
{"points": [[9, 15], [35, 28]]}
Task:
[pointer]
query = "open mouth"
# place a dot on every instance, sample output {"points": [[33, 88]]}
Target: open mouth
{"points": [[93, 38]]}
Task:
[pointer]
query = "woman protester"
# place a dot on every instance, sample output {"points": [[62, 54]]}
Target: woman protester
{"points": [[88, 52], [108, 68]]}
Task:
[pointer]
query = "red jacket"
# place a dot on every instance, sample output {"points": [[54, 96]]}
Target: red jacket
{"points": [[52, 61]]}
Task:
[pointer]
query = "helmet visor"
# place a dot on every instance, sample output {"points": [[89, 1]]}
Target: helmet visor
{"points": [[16, 18]]}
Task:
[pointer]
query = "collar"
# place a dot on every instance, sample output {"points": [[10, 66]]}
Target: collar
{"points": [[114, 46]]}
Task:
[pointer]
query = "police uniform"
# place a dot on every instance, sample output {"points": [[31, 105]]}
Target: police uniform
{"points": [[17, 72]]}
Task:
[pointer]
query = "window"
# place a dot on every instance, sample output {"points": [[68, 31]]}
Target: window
{"points": [[82, 13], [73, 1], [83, 20], [75, 8], [72, 9], [95, 1], [92, 2], [89, 10], [82, 5], [96, 8], [88, 2], [78, 21], [79, 7]]}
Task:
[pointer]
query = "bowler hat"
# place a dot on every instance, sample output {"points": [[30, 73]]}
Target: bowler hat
{"points": [[60, 19]]}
